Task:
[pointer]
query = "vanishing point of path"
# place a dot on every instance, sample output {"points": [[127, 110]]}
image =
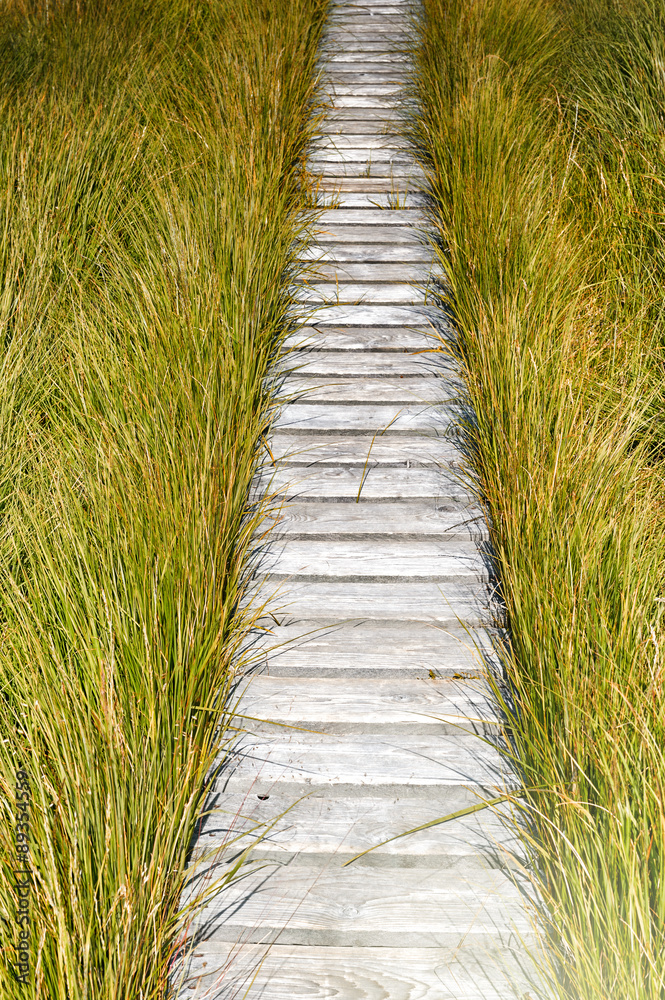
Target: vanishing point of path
{"points": [[372, 664]]}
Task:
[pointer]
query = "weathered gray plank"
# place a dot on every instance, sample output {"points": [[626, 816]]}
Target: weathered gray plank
{"points": [[362, 339], [357, 763], [358, 450], [337, 602], [382, 119], [346, 292], [378, 51], [374, 315], [380, 483], [362, 121], [420, 388], [440, 560], [337, 169], [380, 186], [340, 827], [399, 170], [368, 252], [355, 101], [375, 648], [368, 217], [417, 519], [386, 201], [398, 908], [389, 228], [365, 89], [350, 74], [351, 705], [360, 364], [324, 157], [362, 418], [356, 141], [283, 972]]}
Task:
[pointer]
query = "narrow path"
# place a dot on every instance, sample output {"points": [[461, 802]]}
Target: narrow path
{"points": [[372, 665]]}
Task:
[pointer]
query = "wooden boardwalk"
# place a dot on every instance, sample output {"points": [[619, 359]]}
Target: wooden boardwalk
{"points": [[371, 662]]}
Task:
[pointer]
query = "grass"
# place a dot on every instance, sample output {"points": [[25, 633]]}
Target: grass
{"points": [[151, 210], [540, 126]]}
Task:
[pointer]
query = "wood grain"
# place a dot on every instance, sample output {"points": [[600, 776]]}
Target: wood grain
{"points": [[344, 292], [418, 387], [368, 252], [376, 364], [399, 520], [440, 560], [316, 483], [408, 450], [397, 602], [283, 972]]}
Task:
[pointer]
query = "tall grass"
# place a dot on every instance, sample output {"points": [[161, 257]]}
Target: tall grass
{"points": [[151, 213], [541, 127]]}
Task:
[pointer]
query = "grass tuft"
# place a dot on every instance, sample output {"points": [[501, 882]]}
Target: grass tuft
{"points": [[151, 210], [540, 127]]}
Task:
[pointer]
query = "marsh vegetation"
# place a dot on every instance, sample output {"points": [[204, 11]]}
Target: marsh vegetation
{"points": [[151, 210]]}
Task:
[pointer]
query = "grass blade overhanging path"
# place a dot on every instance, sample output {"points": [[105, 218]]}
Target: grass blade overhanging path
{"points": [[151, 208], [540, 126]]}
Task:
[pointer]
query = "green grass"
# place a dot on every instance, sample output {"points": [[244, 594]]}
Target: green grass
{"points": [[151, 209], [541, 128]]}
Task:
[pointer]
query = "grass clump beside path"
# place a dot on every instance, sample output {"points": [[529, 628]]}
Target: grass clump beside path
{"points": [[541, 127], [151, 212]]}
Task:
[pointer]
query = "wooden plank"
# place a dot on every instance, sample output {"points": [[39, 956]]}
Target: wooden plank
{"points": [[375, 648], [360, 763], [356, 126], [406, 450], [385, 160], [336, 602], [368, 252], [352, 74], [379, 52], [400, 170], [361, 121], [379, 232], [341, 827], [391, 35], [398, 8], [382, 199], [374, 273], [380, 483], [359, 29], [363, 418], [373, 315], [346, 292], [384, 154], [372, 558], [367, 216], [360, 364], [355, 101], [363, 22], [357, 141], [351, 705], [283, 972], [420, 388], [404, 340], [382, 118], [380, 90], [413, 519], [410, 908]]}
